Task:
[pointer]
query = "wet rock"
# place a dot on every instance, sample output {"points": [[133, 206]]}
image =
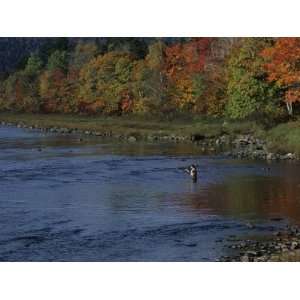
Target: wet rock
{"points": [[222, 140], [284, 246], [132, 139], [263, 258], [271, 156], [150, 138], [245, 258], [251, 253], [294, 245], [292, 230], [243, 244], [288, 156], [197, 137], [258, 154], [249, 225], [244, 140]]}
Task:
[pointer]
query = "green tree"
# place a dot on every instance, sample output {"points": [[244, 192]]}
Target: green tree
{"points": [[146, 88], [155, 61], [58, 60], [249, 93], [198, 85]]}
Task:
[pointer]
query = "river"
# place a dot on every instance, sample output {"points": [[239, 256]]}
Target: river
{"points": [[67, 199]]}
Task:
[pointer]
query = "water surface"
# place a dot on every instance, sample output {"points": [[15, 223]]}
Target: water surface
{"points": [[64, 199]]}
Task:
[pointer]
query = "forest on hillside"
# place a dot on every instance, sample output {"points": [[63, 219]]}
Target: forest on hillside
{"points": [[238, 78]]}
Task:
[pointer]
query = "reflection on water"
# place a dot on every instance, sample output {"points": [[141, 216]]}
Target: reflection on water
{"points": [[252, 197], [67, 199]]}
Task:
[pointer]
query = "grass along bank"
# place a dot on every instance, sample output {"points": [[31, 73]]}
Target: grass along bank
{"points": [[138, 127], [283, 138]]}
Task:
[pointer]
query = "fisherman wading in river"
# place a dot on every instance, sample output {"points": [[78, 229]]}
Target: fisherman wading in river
{"points": [[192, 170]]}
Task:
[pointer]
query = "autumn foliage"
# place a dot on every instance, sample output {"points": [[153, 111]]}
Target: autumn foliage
{"points": [[283, 67], [234, 77], [184, 65]]}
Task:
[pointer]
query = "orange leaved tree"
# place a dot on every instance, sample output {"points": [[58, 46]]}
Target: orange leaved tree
{"points": [[184, 66], [283, 67]]}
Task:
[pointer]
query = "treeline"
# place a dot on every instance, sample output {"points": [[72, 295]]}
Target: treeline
{"points": [[234, 77]]}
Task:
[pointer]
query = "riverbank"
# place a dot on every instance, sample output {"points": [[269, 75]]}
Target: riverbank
{"points": [[243, 140], [283, 246], [133, 129]]}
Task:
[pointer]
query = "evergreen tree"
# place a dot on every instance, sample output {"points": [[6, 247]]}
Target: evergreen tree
{"points": [[34, 64]]}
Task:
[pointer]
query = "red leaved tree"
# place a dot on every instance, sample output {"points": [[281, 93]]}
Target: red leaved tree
{"points": [[183, 61]]}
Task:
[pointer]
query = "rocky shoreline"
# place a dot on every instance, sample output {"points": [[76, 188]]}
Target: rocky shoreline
{"points": [[249, 147], [103, 134], [238, 146], [282, 246]]}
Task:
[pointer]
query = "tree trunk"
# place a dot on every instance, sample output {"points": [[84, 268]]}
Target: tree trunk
{"points": [[289, 107]]}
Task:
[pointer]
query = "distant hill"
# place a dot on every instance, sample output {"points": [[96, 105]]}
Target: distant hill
{"points": [[15, 51]]}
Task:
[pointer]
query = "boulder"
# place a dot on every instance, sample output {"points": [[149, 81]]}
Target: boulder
{"points": [[270, 156], [289, 156], [294, 245], [242, 140], [132, 139], [245, 258]]}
